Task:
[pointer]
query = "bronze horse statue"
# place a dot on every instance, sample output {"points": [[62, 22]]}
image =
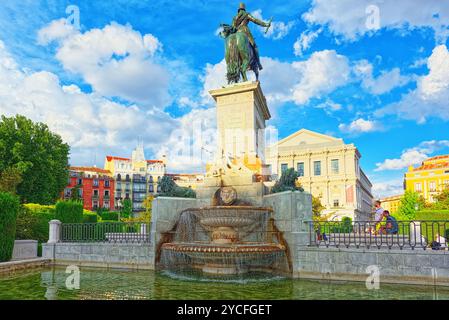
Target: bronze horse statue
{"points": [[240, 55]]}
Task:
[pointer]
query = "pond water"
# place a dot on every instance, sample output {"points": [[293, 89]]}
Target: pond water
{"points": [[49, 283]]}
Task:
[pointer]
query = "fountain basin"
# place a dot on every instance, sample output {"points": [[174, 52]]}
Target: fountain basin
{"points": [[226, 259]]}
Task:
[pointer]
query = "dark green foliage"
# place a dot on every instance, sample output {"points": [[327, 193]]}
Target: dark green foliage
{"points": [[446, 234], [33, 224], [432, 215], [127, 210], [69, 211], [75, 196], [90, 218], [109, 216], [287, 182], [38, 154], [345, 226], [10, 178], [170, 189], [9, 207], [409, 202]]}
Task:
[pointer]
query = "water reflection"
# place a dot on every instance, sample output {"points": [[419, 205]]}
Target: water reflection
{"points": [[119, 284]]}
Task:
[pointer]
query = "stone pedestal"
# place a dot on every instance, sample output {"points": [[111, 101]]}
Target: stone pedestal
{"points": [[24, 249], [55, 231]]}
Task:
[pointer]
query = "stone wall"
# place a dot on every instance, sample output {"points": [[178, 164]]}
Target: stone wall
{"points": [[107, 255], [292, 210], [24, 249], [395, 266]]}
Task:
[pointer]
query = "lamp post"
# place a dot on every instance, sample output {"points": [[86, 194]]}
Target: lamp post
{"points": [[119, 206]]}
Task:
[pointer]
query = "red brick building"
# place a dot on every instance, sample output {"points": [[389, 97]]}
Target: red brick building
{"points": [[95, 187]]}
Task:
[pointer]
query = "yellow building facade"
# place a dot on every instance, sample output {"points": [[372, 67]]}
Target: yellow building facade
{"points": [[430, 178], [391, 203], [329, 169]]}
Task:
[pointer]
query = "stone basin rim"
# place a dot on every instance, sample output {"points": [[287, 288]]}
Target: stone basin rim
{"points": [[238, 208]]}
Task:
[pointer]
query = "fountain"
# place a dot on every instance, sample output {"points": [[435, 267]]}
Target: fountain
{"points": [[229, 231]]}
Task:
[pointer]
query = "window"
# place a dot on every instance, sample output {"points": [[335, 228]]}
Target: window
{"points": [[106, 183], [80, 193], [151, 179], [95, 182], [95, 193], [159, 188], [432, 186], [106, 204], [67, 192], [418, 187], [284, 167], [95, 205], [335, 166], [106, 193], [119, 177], [300, 169], [80, 182], [317, 168], [151, 188], [336, 203]]}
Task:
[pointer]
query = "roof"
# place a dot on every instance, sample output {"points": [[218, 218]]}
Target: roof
{"points": [[431, 166], [90, 169], [439, 157], [110, 158]]}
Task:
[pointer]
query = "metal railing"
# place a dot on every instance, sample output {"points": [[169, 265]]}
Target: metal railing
{"points": [[107, 232], [428, 234]]}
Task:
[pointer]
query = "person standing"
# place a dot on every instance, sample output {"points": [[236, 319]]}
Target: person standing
{"points": [[378, 215]]}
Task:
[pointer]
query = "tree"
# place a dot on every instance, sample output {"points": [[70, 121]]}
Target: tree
{"points": [[287, 182], [127, 209], [442, 200], [10, 178], [38, 154], [410, 203], [148, 205], [317, 206], [75, 196]]}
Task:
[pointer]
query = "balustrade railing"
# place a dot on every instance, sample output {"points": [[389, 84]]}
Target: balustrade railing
{"points": [[429, 234], [121, 232]]}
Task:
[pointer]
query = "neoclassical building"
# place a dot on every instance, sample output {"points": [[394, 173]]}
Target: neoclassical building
{"points": [[328, 169]]}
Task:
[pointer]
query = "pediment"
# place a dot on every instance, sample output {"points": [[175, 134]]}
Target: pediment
{"points": [[307, 137]]}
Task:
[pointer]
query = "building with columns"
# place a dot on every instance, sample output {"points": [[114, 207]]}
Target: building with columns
{"points": [[328, 168]]}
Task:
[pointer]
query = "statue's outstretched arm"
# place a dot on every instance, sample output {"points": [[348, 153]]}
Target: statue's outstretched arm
{"points": [[257, 21]]}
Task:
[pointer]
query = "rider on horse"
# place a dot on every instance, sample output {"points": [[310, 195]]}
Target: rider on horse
{"points": [[240, 23]]}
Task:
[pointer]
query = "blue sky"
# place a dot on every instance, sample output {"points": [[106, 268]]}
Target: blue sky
{"points": [[375, 73]]}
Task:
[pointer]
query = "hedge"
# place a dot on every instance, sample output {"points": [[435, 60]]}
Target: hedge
{"points": [[432, 215], [33, 224], [109, 216], [9, 207], [69, 211], [90, 218]]}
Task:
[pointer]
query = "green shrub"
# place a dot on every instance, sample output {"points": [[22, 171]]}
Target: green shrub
{"points": [[345, 226], [33, 224], [69, 211], [446, 234], [432, 215], [90, 218], [109, 216], [9, 207]]}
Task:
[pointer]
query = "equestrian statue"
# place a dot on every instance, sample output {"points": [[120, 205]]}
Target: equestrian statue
{"points": [[241, 52]]}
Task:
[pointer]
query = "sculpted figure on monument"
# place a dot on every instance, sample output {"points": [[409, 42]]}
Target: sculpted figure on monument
{"points": [[241, 51]]}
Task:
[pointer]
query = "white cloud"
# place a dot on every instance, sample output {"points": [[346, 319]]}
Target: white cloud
{"points": [[278, 29], [385, 82], [360, 126], [192, 144], [321, 74], [386, 188], [304, 42], [430, 98], [413, 156], [91, 124], [116, 61], [349, 18], [296, 82]]}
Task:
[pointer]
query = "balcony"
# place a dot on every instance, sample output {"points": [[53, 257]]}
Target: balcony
{"points": [[95, 197]]}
